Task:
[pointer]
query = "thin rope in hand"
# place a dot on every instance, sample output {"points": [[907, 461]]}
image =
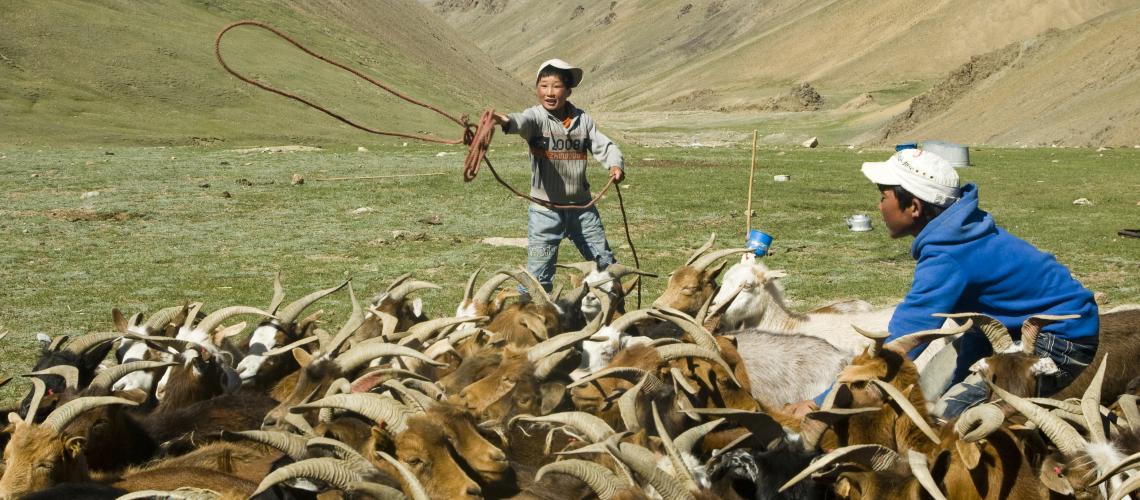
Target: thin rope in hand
{"points": [[629, 239]]}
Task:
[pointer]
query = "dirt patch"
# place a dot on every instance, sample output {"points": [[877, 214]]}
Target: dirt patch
{"points": [[802, 97], [86, 215], [505, 242]]}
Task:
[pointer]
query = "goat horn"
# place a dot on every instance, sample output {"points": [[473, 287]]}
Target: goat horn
{"points": [[374, 491], [680, 470], [288, 443], [469, 288], [877, 337], [399, 293], [701, 250], [379, 409], [398, 281], [56, 343], [1090, 404], [627, 403], [619, 271], [994, 330], [160, 319], [1033, 325], [1127, 403], [427, 387], [325, 469], [1128, 463], [706, 260], [290, 312], [537, 293], [585, 268], [107, 378], [1062, 434], [559, 342], [689, 324], [212, 320], [183, 493], [483, 295], [686, 440], [38, 390], [711, 312], [682, 380], [58, 419], [424, 331], [413, 486], [352, 458], [298, 422], [162, 343], [601, 480], [411, 397], [908, 342], [921, 470], [875, 457], [594, 428], [675, 351], [907, 408], [355, 320], [278, 293], [545, 366], [641, 461], [629, 319], [81, 345], [1127, 488], [978, 422], [68, 373], [629, 373], [366, 351], [192, 310], [277, 351]]}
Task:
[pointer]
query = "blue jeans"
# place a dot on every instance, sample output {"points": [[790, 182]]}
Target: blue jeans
{"points": [[546, 228]]}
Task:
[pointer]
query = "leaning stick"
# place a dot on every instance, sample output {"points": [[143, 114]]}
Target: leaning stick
{"points": [[751, 173], [376, 177]]}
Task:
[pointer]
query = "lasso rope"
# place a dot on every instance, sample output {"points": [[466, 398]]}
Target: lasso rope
{"points": [[477, 137]]}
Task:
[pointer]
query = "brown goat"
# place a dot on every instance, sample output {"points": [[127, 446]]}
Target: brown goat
{"points": [[694, 283]]}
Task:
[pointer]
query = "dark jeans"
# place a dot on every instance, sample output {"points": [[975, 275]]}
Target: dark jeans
{"points": [[1071, 358]]}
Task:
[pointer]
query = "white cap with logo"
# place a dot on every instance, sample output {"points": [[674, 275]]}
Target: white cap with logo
{"points": [[575, 71], [926, 175]]}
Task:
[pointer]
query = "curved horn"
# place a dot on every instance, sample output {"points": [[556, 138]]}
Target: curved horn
{"points": [[82, 344], [628, 373], [994, 330], [629, 319], [413, 399], [1127, 403], [369, 350], [686, 440], [325, 469], [978, 422], [701, 250], [875, 457], [38, 390], [1131, 461], [627, 402], [423, 331], [191, 310], [163, 343], [594, 428], [585, 267], [1033, 325], [379, 409], [374, 491], [643, 464], [277, 351], [68, 373], [483, 295], [921, 470], [278, 293], [877, 337], [415, 489], [290, 312], [355, 320], [908, 408], [212, 320], [63, 415], [158, 321], [1090, 404], [404, 289], [352, 458], [537, 293], [675, 351], [1062, 434], [545, 366], [619, 271], [689, 324], [706, 260], [601, 480], [680, 470], [288, 443], [469, 288], [1127, 488], [559, 342], [908, 342], [106, 379]]}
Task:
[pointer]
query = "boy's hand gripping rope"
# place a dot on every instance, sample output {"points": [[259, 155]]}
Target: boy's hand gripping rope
{"points": [[477, 137]]}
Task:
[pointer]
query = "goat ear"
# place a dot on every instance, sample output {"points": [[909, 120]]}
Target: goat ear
{"points": [[552, 395], [970, 453], [14, 418], [417, 307], [843, 487], [227, 332], [711, 275], [776, 273], [74, 445], [119, 321], [92, 358], [302, 356], [137, 395]]}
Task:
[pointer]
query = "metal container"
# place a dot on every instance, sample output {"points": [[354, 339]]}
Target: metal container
{"points": [[859, 223], [957, 154]]}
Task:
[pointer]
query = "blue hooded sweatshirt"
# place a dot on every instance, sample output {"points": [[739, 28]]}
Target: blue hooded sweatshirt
{"points": [[966, 263]]}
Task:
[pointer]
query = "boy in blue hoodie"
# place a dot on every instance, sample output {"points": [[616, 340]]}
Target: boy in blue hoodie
{"points": [[966, 263]]}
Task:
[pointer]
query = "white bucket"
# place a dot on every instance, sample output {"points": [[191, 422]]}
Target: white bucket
{"points": [[957, 154]]}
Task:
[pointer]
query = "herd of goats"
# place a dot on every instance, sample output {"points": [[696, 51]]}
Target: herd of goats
{"points": [[562, 395]]}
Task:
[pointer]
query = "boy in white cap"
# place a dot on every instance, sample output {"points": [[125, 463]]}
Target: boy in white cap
{"points": [[966, 263], [559, 135]]}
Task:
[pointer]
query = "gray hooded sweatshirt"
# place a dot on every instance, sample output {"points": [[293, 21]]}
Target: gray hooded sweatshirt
{"points": [[558, 153]]}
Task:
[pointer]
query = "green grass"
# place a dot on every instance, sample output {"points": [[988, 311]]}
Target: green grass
{"points": [[160, 236]]}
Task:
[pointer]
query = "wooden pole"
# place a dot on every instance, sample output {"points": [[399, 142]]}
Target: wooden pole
{"points": [[376, 177], [751, 174]]}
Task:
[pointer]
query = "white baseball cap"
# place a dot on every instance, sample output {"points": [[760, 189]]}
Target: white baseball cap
{"points": [[575, 71], [926, 175]]}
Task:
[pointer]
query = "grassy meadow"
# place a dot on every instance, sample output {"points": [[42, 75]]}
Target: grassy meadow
{"points": [[86, 230]]}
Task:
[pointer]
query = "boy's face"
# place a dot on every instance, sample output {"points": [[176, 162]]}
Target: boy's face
{"points": [[900, 221], [552, 93]]}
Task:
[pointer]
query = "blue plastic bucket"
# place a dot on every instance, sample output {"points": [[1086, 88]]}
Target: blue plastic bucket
{"points": [[758, 242], [906, 145]]}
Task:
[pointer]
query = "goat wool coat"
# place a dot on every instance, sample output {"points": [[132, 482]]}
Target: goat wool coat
{"points": [[966, 263]]}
